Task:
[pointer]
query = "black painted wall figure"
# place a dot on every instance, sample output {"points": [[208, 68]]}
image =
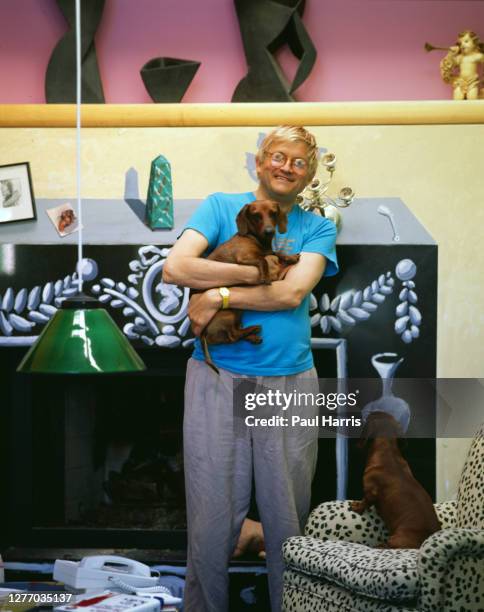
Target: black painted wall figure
{"points": [[60, 80], [167, 79], [266, 26]]}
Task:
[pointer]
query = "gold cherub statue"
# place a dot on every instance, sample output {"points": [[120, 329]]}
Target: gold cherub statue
{"points": [[460, 67]]}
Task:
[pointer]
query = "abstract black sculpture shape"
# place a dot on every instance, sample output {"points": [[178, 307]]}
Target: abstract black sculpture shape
{"points": [[167, 79], [60, 80], [266, 26]]}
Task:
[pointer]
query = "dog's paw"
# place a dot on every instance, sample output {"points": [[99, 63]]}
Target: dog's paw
{"points": [[289, 259], [357, 506]]}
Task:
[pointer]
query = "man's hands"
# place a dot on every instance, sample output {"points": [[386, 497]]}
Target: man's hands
{"points": [[202, 307], [186, 267]]}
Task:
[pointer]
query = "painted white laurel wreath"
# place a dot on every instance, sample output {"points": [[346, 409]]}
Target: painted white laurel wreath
{"points": [[161, 317], [353, 306], [41, 304]]}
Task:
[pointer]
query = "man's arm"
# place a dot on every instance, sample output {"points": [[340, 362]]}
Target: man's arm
{"points": [[186, 267], [280, 295]]}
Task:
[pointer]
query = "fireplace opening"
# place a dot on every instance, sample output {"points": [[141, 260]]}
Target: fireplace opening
{"points": [[113, 452], [100, 459]]}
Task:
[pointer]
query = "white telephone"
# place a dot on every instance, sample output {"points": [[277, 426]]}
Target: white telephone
{"points": [[103, 571]]}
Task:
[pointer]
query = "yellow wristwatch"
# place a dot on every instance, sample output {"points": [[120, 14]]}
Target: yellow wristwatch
{"points": [[225, 295]]}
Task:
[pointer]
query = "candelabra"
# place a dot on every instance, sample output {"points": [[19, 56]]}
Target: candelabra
{"points": [[316, 199]]}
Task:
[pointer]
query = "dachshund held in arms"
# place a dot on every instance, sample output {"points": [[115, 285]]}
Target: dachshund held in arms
{"points": [[256, 224], [388, 484]]}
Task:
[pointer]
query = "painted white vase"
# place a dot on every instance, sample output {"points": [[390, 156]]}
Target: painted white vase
{"points": [[386, 364]]}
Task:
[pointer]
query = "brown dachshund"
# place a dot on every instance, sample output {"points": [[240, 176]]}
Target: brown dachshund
{"points": [[256, 224], [389, 485]]}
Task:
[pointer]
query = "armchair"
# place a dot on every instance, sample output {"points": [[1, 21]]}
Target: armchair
{"points": [[333, 567]]}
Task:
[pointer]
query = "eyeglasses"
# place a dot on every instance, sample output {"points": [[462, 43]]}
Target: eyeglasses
{"points": [[279, 159]]}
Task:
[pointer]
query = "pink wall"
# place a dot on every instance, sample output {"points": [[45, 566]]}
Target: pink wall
{"points": [[367, 49]]}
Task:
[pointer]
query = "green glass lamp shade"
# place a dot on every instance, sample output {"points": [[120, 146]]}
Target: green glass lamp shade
{"points": [[81, 338]]}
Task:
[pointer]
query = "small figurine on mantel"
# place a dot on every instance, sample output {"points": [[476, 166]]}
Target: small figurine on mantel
{"points": [[460, 67]]}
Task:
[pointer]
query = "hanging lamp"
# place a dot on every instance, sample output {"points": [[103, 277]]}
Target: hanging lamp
{"points": [[81, 337]]}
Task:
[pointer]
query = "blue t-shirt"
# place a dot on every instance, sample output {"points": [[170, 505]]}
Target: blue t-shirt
{"points": [[286, 334]]}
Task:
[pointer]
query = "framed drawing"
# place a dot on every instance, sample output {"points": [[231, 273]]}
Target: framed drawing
{"points": [[17, 201]]}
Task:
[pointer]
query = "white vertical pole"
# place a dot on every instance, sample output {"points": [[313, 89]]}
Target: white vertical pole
{"points": [[78, 141]]}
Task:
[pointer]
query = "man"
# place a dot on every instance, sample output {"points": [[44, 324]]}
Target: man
{"points": [[219, 464]]}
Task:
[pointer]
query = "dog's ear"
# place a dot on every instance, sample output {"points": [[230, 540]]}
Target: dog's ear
{"points": [[399, 430], [367, 433], [363, 440], [281, 220], [243, 220]]}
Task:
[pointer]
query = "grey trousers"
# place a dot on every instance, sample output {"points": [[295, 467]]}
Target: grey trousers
{"points": [[218, 476]]}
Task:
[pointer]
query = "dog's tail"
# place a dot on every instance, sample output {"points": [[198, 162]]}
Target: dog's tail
{"points": [[206, 352]]}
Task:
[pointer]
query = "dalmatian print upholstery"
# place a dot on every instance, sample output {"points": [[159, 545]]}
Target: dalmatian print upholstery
{"points": [[334, 567], [447, 513], [451, 567], [381, 574], [305, 594], [335, 521], [470, 496]]}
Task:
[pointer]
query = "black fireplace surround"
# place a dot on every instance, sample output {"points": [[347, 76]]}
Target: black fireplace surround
{"points": [[97, 461]]}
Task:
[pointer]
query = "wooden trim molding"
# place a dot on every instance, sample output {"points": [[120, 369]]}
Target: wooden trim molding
{"points": [[426, 112]]}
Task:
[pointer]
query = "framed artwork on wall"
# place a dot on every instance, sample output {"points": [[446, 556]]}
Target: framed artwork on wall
{"points": [[17, 201]]}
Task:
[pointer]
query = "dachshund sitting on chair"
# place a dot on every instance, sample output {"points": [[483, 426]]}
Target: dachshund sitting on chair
{"points": [[256, 224], [389, 485]]}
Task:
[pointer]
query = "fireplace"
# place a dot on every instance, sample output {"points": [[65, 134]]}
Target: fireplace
{"points": [[96, 462]]}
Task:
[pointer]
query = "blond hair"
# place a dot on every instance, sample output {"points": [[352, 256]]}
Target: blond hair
{"points": [[291, 133], [473, 36]]}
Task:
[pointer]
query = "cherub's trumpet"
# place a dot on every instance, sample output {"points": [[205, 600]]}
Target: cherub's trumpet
{"points": [[429, 47]]}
